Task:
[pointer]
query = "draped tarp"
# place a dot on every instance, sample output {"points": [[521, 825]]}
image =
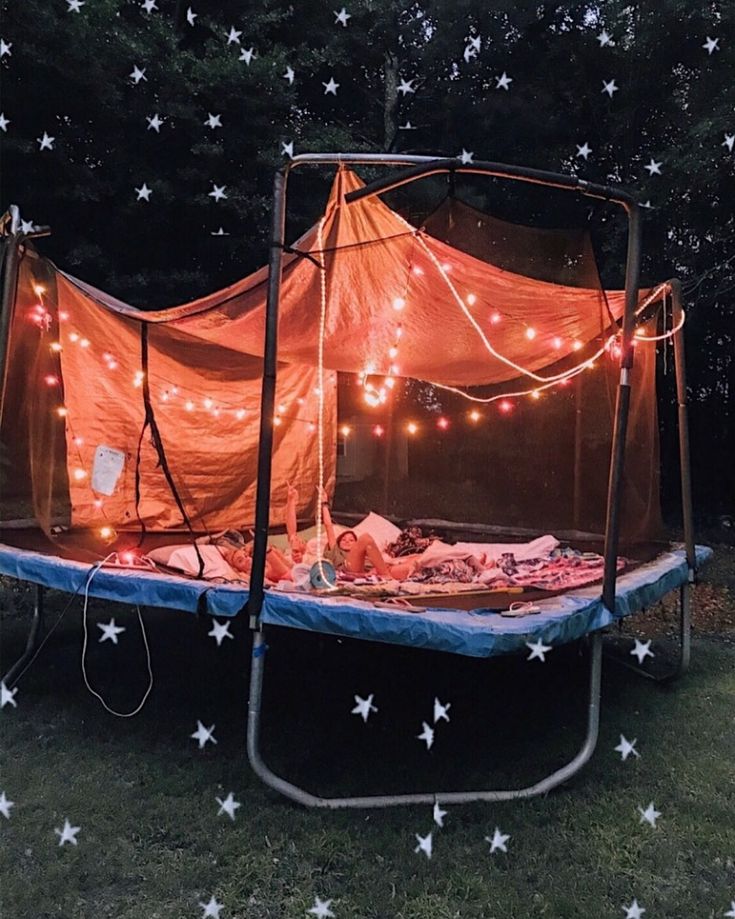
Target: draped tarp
{"points": [[347, 273]]}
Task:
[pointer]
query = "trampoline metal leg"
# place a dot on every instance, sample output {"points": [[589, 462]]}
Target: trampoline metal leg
{"points": [[304, 797], [34, 635], [685, 644]]}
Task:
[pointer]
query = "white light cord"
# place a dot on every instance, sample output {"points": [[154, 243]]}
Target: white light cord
{"points": [[90, 578]]}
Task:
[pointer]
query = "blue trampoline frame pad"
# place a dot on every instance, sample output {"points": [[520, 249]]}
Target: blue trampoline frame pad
{"points": [[475, 633]]}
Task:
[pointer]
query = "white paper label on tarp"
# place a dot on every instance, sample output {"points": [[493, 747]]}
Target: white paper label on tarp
{"points": [[106, 470]]}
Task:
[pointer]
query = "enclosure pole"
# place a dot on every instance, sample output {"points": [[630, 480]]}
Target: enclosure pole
{"points": [[681, 400], [622, 406], [268, 399], [11, 260], [577, 494]]}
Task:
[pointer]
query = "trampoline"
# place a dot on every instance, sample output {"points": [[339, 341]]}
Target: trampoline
{"points": [[157, 490]]}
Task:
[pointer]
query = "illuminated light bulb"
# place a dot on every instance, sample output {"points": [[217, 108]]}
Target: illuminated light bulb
{"points": [[63, 315], [39, 290], [446, 266], [535, 394], [98, 503], [399, 303], [505, 406], [471, 299], [78, 441], [240, 414], [371, 399], [557, 343], [591, 365], [382, 395], [345, 430], [393, 370], [412, 427], [317, 391], [442, 423], [138, 381], [638, 333], [175, 390], [577, 345], [62, 412], [40, 308], [107, 533], [55, 346], [216, 413], [399, 332], [281, 408], [128, 558], [51, 380], [208, 404], [393, 352], [106, 356], [84, 342], [417, 271], [390, 382], [565, 382], [80, 475], [112, 365], [474, 415], [164, 396], [189, 405], [495, 318], [312, 426], [277, 420], [300, 400], [73, 336], [530, 333], [378, 430]]}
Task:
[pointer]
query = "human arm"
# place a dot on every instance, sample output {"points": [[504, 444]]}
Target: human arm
{"points": [[327, 518]]}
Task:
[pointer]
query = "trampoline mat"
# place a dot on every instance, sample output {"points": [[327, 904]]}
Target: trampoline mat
{"points": [[478, 631]]}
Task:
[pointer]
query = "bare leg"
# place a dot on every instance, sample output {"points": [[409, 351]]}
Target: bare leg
{"points": [[277, 567], [366, 548]]}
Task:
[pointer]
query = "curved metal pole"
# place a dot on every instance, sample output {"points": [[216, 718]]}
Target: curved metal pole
{"points": [[34, 635], [301, 796]]}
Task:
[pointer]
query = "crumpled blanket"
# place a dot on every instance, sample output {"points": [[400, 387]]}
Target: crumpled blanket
{"points": [[461, 570], [411, 542], [562, 571]]}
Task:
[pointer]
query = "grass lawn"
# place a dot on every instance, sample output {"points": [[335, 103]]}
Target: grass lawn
{"points": [[152, 846]]}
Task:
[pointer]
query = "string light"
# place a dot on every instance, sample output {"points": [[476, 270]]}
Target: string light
{"points": [[506, 406], [55, 346], [80, 474], [39, 290], [495, 318], [471, 299], [412, 427], [73, 336], [83, 342], [345, 430], [378, 430], [557, 343], [108, 533], [474, 415], [399, 303], [51, 380], [530, 333], [442, 423], [62, 411]]}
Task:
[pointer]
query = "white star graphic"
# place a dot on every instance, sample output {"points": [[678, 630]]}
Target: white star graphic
{"points": [[144, 193], [538, 649], [220, 631], [424, 844], [406, 127], [247, 55], [653, 167], [634, 911], [191, 16], [289, 75], [498, 841], [728, 142], [609, 87], [712, 44], [233, 36], [213, 121], [330, 87], [45, 142], [228, 806], [426, 735], [341, 17], [4, 122], [218, 192], [731, 912], [472, 49], [503, 82], [219, 232], [626, 747], [154, 123], [287, 149], [7, 695], [148, 5], [649, 815], [27, 226], [405, 87], [465, 157], [584, 151], [203, 734], [642, 650], [647, 204], [211, 909], [75, 6], [440, 711], [439, 814], [5, 806], [110, 630], [137, 75], [5, 47], [364, 707], [321, 909], [605, 39], [68, 833]]}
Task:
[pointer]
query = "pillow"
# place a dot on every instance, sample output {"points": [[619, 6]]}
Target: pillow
{"points": [[382, 530], [184, 558]]}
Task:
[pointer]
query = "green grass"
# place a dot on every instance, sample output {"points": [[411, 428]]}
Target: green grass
{"points": [[151, 844]]}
